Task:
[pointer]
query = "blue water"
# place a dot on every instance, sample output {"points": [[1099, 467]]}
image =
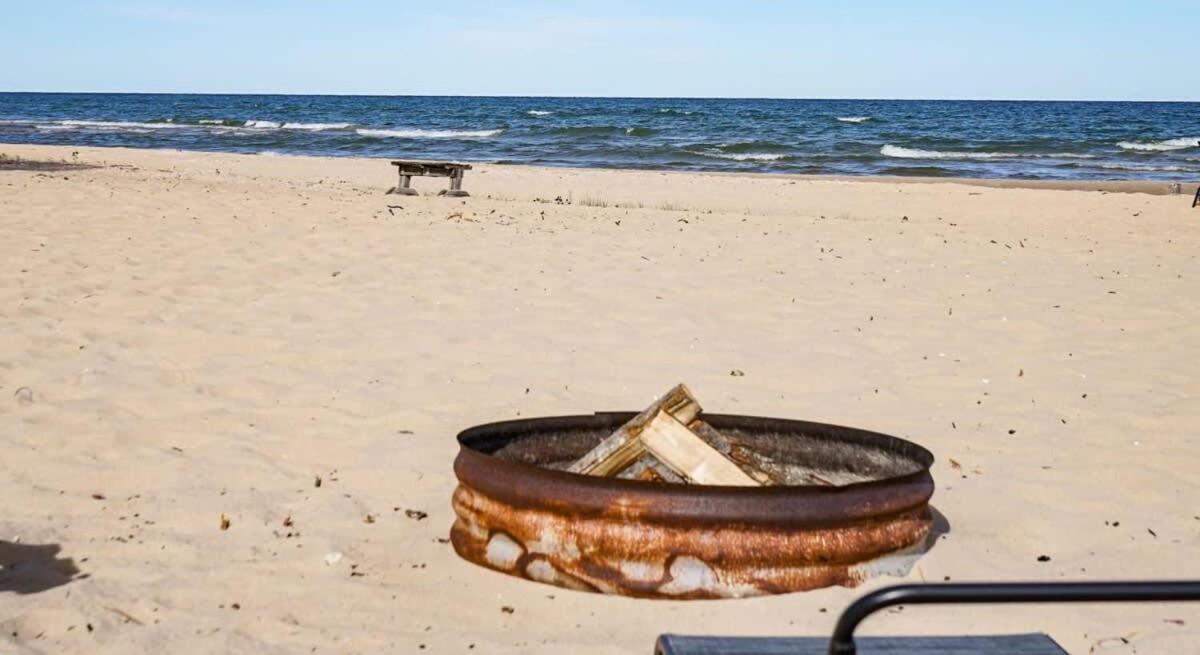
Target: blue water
{"points": [[1046, 140]]}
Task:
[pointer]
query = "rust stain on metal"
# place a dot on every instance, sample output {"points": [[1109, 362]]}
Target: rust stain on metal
{"points": [[638, 538]]}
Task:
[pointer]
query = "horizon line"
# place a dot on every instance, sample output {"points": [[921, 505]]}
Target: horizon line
{"points": [[588, 97]]}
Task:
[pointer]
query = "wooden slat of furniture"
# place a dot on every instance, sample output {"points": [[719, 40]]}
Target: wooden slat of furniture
{"points": [[1027, 644], [406, 169]]}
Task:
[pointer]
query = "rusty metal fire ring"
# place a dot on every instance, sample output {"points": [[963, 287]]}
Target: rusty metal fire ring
{"points": [[518, 515]]}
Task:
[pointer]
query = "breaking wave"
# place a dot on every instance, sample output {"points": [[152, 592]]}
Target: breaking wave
{"points": [[538, 112], [914, 153], [316, 127], [740, 156], [853, 119], [430, 134], [1161, 146]]}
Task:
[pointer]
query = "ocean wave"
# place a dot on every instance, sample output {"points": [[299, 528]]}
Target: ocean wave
{"points": [[853, 119], [429, 134], [316, 127], [1161, 146], [913, 153], [263, 124], [591, 130], [119, 125], [740, 156], [1143, 167], [538, 112]]}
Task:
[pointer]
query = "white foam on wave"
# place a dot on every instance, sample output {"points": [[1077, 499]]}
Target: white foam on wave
{"points": [[1161, 146], [538, 112], [740, 156], [211, 121], [1145, 167], [430, 134], [316, 127], [913, 153], [853, 119], [263, 124], [118, 125]]}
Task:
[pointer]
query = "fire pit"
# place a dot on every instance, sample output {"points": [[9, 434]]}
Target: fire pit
{"points": [[520, 514]]}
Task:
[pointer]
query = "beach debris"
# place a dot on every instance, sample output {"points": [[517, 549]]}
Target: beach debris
{"points": [[1043, 558], [333, 558], [369, 518], [415, 514], [129, 618], [508, 609], [317, 481], [736, 373], [24, 396], [225, 523], [97, 496], [668, 442]]}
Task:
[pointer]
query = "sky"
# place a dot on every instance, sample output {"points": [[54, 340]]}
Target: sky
{"points": [[964, 49]]}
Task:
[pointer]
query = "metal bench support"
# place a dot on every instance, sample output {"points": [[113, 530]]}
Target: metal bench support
{"points": [[453, 170]]}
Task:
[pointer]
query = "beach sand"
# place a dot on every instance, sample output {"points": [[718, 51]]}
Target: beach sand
{"points": [[186, 336]]}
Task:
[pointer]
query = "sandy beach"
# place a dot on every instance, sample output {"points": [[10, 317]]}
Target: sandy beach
{"points": [[190, 336]]}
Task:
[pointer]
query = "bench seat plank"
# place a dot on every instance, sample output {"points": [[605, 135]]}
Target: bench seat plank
{"points": [[1027, 644]]}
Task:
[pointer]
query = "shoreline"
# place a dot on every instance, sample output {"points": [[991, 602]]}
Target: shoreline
{"points": [[1150, 187]]}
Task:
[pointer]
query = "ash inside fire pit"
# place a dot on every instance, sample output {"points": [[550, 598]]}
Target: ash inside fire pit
{"points": [[850, 504]]}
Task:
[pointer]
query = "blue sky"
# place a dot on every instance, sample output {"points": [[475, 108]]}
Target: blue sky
{"points": [[1012, 49]]}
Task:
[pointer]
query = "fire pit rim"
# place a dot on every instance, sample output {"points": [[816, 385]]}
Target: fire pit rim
{"points": [[914, 451], [682, 541]]}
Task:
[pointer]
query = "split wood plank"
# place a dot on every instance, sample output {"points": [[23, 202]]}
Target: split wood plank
{"points": [[687, 454], [624, 447], [650, 469], [714, 438]]}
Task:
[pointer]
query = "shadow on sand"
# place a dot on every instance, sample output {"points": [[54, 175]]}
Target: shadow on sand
{"points": [[33, 568]]}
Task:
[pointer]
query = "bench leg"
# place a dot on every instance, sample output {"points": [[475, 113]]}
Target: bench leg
{"points": [[456, 190], [1196, 200], [403, 188]]}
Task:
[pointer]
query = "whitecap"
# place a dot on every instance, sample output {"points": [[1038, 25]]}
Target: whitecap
{"points": [[913, 153], [430, 134], [262, 124], [1161, 146], [739, 156], [853, 119], [538, 112], [1144, 167], [211, 121], [118, 125], [316, 127]]}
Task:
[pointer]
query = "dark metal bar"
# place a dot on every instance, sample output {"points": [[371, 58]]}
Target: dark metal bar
{"points": [[842, 642]]}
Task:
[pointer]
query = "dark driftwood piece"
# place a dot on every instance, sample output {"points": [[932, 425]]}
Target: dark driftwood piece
{"points": [[406, 169]]}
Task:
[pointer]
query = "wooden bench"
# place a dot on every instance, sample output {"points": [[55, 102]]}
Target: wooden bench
{"points": [[452, 170]]}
